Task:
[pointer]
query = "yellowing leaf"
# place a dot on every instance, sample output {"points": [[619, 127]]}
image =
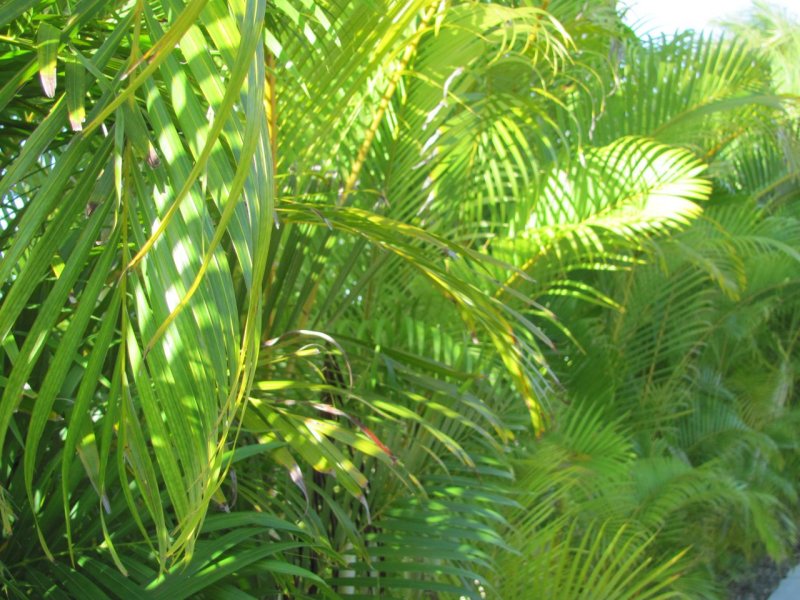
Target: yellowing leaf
{"points": [[47, 50]]}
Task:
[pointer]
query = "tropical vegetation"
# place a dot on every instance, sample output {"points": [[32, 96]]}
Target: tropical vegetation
{"points": [[394, 299]]}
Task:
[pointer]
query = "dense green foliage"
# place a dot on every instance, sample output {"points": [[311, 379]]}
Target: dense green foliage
{"points": [[413, 299]]}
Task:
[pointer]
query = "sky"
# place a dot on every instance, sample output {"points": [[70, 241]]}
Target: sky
{"points": [[665, 16]]}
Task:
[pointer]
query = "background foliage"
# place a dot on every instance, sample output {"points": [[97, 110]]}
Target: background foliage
{"points": [[393, 299]]}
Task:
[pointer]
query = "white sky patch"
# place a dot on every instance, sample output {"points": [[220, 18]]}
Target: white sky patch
{"points": [[431, 141], [655, 17]]}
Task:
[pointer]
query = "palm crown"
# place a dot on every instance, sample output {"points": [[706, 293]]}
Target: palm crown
{"points": [[387, 299]]}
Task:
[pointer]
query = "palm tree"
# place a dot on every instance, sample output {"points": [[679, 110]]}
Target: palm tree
{"points": [[285, 279], [685, 387]]}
